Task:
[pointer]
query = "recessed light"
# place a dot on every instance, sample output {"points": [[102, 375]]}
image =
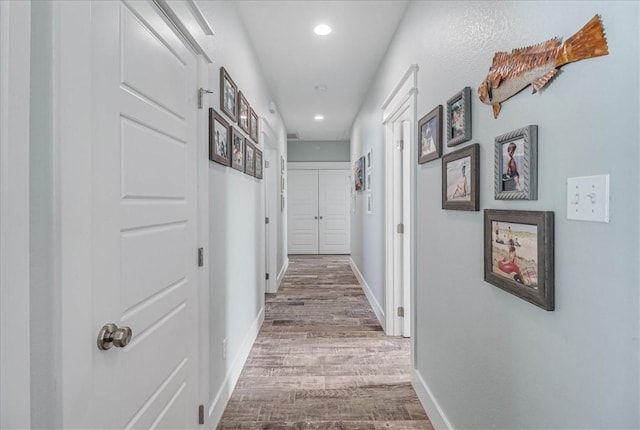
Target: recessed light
{"points": [[322, 30], [319, 117]]}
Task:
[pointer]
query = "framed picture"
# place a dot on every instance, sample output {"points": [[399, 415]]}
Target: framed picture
{"points": [[258, 169], [219, 138], [253, 125], [281, 183], [249, 158], [282, 164], [281, 202], [518, 254], [430, 136], [243, 112], [459, 118], [358, 174], [368, 159], [369, 203], [461, 179], [368, 180], [228, 94], [237, 150], [516, 164]]}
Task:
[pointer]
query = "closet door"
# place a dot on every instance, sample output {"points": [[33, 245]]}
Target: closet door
{"points": [[303, 211], [334, 231]]}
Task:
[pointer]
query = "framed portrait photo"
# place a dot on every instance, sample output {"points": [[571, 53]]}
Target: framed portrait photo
{"points": [[518, 254], [358, 174], [516, 164], [243, 112], [258, 168], [461, 179], [237, 150], [253, 125], [430, 136], [228, 94], [459, 118], [249, 158], [219, 138]]}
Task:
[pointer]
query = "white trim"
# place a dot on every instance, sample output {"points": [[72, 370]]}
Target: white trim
{"points": [[412, 70], [219, 403], [15, 372], [431, 406], [377, 309], [328, 165], [283, 270]]}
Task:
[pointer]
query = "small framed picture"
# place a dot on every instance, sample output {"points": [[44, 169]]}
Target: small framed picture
{"points": [[461, 179], [430, 136], [459, 118], [516, 164], [369, 203], [243, 112], [237, 150], [249, 158], [219, 138], [368, 159], [258, 168], [358, 174], [281, 164], [368, 180], [282, 183], [253, 125], [518, 254], [228, 94]]}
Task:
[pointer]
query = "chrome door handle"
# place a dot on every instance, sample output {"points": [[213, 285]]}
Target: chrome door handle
{"points": [[110, 335]]}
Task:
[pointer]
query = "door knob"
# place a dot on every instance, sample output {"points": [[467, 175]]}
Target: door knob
{"points": [[110, 335], [320, 216], [315, 217]]}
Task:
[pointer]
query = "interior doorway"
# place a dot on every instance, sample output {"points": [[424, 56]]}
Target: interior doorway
{"points": [[400, 119]]}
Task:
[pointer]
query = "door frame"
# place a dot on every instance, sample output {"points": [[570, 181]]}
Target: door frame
{"points": [[15, 361], [271, 203], [400, 107]]}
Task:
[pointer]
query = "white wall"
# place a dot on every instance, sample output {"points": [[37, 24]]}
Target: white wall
{"points": [[490, 359], [236, 210], [309, 151]]}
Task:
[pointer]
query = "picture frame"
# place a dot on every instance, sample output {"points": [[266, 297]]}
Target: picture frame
{"points": [[258, 164], [237, 150], [244, 111], [430, 136], [459, 117], [228, 95], [516, 164], [367, 181], [368, 159], [369, 203], [358, 174], [282, 164], [249, 158], [461, 179], [219, 138], [281, 202], [519, 254], [253, 125]]}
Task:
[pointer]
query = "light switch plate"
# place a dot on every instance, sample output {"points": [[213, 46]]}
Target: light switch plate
{"points": [[588, 198]]}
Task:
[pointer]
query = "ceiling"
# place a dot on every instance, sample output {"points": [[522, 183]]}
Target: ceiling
{"points": [[309, 74]]}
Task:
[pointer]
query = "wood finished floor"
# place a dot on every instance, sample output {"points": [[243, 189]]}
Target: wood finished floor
{"points": [[322, 361]]}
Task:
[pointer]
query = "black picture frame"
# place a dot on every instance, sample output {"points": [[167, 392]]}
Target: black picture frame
{"points": [[253, 126], [219, 138], [249, 158], [461, 179], [237, 150], [459, 117], [244, 111], [519, 254], [430, 136], [258, 164], [228, 95]]}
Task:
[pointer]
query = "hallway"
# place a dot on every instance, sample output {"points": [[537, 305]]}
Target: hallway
{"points": [[322, 361]]}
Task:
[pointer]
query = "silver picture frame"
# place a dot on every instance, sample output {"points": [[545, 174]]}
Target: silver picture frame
{"points": [[516, 164]]}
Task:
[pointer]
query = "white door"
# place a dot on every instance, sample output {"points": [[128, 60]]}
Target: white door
{"points": [[144, 222], [334, 212], [302, 212]]}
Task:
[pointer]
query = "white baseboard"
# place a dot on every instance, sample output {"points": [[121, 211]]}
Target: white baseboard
{"points": [[377, 309], [429, 403], [222, 397], [283, 270]]}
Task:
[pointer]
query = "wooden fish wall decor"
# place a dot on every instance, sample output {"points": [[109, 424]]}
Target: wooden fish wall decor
{"points": [[536, 65]]}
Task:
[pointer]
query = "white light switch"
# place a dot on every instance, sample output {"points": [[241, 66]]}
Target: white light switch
{"points": [[588, 198]]}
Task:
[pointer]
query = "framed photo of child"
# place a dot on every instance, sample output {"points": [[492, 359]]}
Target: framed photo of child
{"points": [[461, 179], [430, 136], [459, 117], [518, 254], [516, 164]]}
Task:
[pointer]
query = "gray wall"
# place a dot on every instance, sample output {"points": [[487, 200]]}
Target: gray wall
{"points": [[306, 150], [490, 359]]}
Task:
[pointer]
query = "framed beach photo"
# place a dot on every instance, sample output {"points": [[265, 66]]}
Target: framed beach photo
{"points": [[258, 168], [516, 164], [243, 112], [459, 118], [430, 136], [518, 254], [253, 125], [358, 174], [249, 158], [228, 94], [219, 138], [237, 150], [461, 179]]}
